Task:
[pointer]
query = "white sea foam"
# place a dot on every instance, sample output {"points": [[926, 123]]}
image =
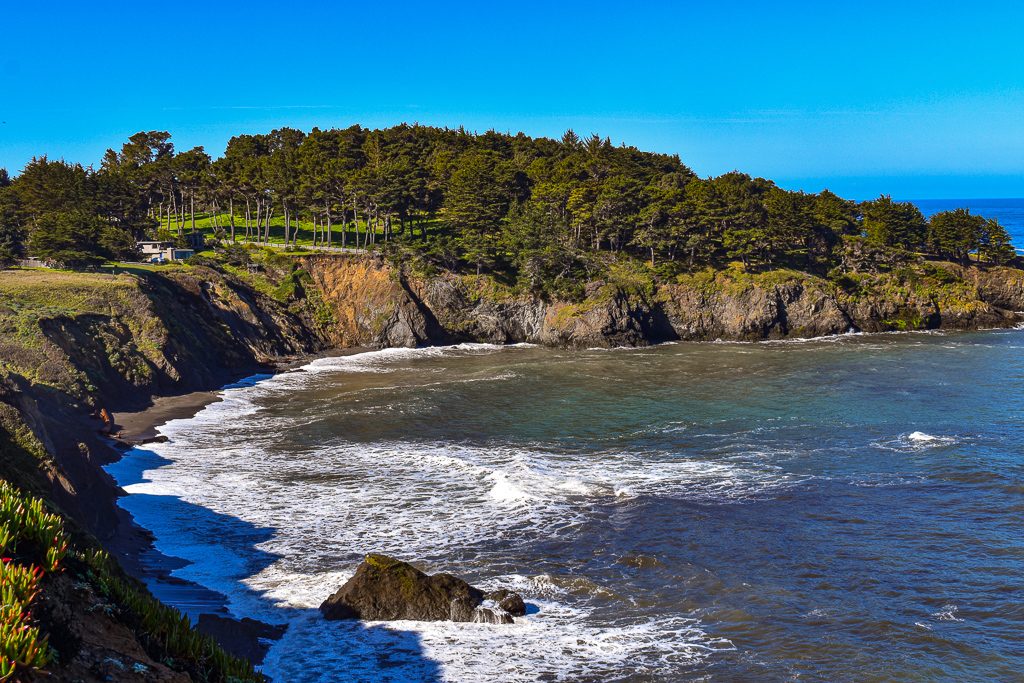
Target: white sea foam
{"points": [[825, 338], [921, 437], [505, 491], [385, 360], [414, 501], [555, 640], [947, 613], [555, 647], [832, 338], [916, 441], [290, 526]]}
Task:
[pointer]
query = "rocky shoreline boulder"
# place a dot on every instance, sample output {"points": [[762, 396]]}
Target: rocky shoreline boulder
{"points": [[386, 589]]}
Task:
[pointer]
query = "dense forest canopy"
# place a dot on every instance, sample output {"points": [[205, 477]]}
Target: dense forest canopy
{"points": [[542, 211]]}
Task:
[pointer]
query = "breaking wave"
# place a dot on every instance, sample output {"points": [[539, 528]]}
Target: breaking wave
{"points": [[652, 508], [916, 441], [309, 510]]}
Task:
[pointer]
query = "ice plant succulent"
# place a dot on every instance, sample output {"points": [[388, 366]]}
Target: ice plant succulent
{"points": [[33, 544]]}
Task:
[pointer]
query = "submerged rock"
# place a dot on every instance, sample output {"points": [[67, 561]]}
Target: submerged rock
{"points": [[386, 589], [509, 601]]}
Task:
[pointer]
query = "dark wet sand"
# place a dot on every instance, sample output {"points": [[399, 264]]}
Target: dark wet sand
{"points": [[141, 426]]}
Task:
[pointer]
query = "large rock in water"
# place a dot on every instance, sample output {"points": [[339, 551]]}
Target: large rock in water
{"points": [[386, 589]]}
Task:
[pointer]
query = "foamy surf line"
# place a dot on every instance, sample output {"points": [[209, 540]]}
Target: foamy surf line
{"points": [[237, 398], [307, 651], [277, 532], [283, 588], [555, 641], [381, 359], [419, 500]]}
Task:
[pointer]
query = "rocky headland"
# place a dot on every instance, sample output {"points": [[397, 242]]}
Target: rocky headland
{"points": [[375, 304], [78, 349]]}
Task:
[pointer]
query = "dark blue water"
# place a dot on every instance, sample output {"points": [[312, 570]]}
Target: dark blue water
{"points": [[844, 510], [1009, 212]]}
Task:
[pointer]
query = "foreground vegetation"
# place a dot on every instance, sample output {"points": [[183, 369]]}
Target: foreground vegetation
{"points": [[38, 553], [32, 546], [545, 213], [165, 632]]}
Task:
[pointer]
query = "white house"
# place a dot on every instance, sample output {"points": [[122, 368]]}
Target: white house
{"points": [[155, 251]]}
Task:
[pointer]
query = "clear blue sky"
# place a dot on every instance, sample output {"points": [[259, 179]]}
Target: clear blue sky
{"points": [[913, 99]]}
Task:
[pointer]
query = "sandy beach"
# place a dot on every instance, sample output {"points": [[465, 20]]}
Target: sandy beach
{"points": [[141, 426]]}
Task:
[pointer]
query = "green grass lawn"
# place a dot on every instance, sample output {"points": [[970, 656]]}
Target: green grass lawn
{"points": [[139, 268], [60, 291], [29, 297], [205, 224]]}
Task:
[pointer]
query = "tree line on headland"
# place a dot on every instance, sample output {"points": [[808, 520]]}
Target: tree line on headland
{"points": [[538, 209]]}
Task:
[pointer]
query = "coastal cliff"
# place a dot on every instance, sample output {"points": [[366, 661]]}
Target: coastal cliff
{"points": [[75, 349], [378, 305], [78, 348]]}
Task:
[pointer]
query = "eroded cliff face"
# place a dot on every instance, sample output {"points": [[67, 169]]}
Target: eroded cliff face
{"points": [[378, 306], [371, 303], [721, 308], [787, 304], [1000, 287], [375, 305], [75, 345], [472, 309], [116, 341]]}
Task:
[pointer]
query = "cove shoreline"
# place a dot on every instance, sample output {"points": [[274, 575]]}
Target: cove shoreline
{"points": [[135, 545], [132, 428]]}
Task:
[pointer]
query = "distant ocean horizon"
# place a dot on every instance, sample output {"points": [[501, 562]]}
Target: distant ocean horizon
{"points": [[1008, 211]]}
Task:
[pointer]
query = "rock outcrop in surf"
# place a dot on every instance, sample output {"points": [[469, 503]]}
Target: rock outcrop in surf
{"points": [[386, 589]]}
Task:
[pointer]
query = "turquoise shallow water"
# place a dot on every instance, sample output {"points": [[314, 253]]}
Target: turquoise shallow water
{"points": [[846, 509]]}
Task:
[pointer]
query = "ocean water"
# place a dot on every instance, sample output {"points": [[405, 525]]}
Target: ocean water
{"points": [[1009, 212], [845, 509]]}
